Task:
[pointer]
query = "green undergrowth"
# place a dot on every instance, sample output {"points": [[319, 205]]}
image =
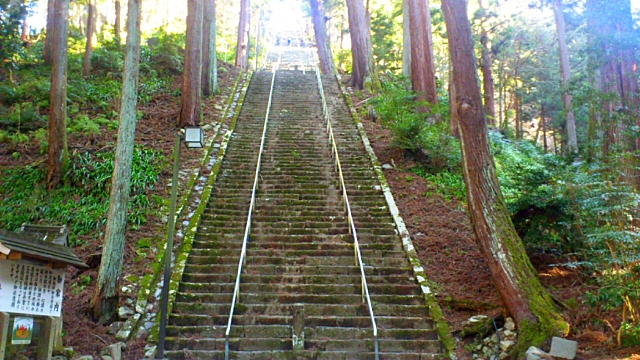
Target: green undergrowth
{"points": [[92, 102], [82, 202], [584, 213]]}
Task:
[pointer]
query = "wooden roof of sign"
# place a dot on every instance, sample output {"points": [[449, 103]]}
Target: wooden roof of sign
{"points": [[18, 245]]}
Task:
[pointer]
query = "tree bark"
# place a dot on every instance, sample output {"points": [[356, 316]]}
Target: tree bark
{"points": [[91, 24], [322, 40], [105, 297], [190, 110], [406, 40], [487, 74], [544, 129], [25, 29], [48, 40], [565, 71], [515, 278], [423, 77], [116, 26], [243, 41], [209, 55], [58, 152], [361, 49]]}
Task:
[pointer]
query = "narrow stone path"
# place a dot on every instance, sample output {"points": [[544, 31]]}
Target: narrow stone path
{"points": [[301, 256]]}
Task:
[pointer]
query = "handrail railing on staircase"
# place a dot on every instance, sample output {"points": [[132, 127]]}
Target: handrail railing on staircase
{"points": [[352, 228], [245, 240]]}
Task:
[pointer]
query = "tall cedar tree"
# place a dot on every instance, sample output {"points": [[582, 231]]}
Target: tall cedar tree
{"points": [[209, 60], [91, 25], [322, 40], [565, 72], [361, 48], [58, 151], [487, 73], [190, 110], [105, 297], [242, 46], [406, 40], [48, 40], [116, 25], [514, 276], [423, 77]]}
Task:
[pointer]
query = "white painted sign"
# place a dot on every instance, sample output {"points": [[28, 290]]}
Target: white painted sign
{"points": [[30, 289]]}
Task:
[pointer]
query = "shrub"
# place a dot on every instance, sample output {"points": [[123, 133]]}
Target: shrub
{"points": [[83, 202]]}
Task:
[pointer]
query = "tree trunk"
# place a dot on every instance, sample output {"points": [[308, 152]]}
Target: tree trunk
{"points": [[116, 26], [91, 23], [516, 106], [515, 278], [423, 77], [25, 29], [105, 297], [487, 74], [406, 40], [48, 40], [322, 40], [565, 72], [544, 130], [209, 55], [190, 111], [58, 152], [242, 45], [361, 48], [454, 120]]}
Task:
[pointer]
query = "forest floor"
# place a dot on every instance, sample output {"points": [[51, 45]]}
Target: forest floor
{"points": [[440, 229]]}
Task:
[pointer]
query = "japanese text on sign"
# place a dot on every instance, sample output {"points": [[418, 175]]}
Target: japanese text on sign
{"points": [[30, 289]]}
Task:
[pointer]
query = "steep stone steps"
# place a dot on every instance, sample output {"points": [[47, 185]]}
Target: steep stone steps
{"points": [[300, 255]]}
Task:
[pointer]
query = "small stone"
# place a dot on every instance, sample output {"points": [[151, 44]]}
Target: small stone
{"points": [[509, 334], [476, 325], [506, 345], [149, 351], [509, 324], [533, 353], [115, 327], [148, 325], [85, 357], [113, 351], [142, 333], [124, 312], [387, 167], [65, 352], [59, 357], [563, 348]]}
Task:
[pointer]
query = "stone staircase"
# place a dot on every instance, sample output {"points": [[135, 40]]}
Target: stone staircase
{"points": [[300, 271]]}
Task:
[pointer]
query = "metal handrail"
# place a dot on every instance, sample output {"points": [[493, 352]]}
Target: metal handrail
{"points": [[352, 228], [243, 252]]}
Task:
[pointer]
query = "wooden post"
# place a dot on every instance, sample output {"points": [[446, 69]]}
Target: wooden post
{"points": [[4, 333], [57, 332], [45, 346]]}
